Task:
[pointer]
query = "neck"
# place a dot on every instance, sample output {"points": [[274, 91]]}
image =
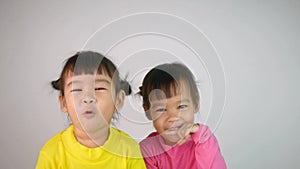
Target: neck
{"points": [[92, 139]]}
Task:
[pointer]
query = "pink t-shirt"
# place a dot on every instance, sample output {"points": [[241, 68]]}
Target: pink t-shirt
{"points": [[201, 152]]}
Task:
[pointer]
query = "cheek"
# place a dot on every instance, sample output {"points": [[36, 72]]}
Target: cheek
{"points": [[106, 104], [159, 125], [74, 98], [189, 118], [187, 115], [106, 108], [105, 98], [69, 101]]}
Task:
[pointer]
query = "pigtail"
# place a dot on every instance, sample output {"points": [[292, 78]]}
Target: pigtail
{"points": [[126, 87], [56, 84], [140, 92]]}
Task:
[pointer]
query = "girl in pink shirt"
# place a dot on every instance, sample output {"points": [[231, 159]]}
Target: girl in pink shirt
{"points": [[170, 100]]}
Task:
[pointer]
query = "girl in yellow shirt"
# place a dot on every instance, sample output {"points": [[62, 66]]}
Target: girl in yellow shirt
{"points": [[91, 92]]}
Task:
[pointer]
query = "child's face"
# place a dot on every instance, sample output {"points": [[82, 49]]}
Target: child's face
{"points": [[89, 100], [172, 116]]}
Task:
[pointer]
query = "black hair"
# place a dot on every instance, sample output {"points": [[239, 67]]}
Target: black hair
{"points": [[166, 78], [89, 62]]}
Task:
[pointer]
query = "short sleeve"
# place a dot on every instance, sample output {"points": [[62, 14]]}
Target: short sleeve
{"points": [[43, 162], [207, 150]]}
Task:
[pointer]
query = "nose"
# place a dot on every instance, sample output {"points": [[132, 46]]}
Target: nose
{"points": [[173, 115], [88, 100], [173, 118]]}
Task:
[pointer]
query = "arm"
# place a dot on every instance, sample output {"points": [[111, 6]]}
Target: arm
{"points": [[207, 150], [43, 162], [149, 154]]}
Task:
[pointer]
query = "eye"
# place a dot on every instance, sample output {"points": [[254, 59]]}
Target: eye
{"points": [[76, 90], [182, 106], [157, 113], [100, 88], [160, 110]]}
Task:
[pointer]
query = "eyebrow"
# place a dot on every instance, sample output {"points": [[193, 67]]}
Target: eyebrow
{"points": [[155, 105], [72, 82], [184, 100], [102, 80], [79, 82]]}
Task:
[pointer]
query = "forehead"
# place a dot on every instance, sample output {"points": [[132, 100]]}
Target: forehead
{"points": [[179, 90], [87, 78]]}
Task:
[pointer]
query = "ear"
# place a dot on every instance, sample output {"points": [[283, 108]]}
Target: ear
{"points": [[120, 100], [62, 101], [197, 105], [147, 112]]}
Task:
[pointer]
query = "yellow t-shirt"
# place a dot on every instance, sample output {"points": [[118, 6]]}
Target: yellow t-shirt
{"points": [[63, 151]]}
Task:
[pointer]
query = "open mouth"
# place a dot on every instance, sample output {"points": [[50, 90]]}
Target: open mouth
{"points": [[88, 114]]}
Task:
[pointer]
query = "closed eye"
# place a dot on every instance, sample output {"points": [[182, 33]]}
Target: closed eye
{"points": [[100, 88], [76, 90]]}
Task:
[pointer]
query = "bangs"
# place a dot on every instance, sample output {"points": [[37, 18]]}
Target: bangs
{"points": [[88, 63], [79, 69], [168, 84], [166, 81], [164, 90]]}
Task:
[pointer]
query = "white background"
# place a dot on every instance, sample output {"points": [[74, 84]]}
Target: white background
{"points": [[257, 41]]}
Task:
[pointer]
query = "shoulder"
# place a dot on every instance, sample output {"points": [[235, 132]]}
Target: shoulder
{"points": [[52, 144], [56, 143], [51, 151], [122, 136], [207, 151], [118, 131], [149, 140], [152, 146], [203, 134], [120, 143], [205, 139]]}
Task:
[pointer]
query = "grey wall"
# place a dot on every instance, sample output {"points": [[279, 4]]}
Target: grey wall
{"points": [[256, 45]]}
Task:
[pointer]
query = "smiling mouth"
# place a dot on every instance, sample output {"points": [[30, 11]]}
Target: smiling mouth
{"points": [[174, 128]]}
